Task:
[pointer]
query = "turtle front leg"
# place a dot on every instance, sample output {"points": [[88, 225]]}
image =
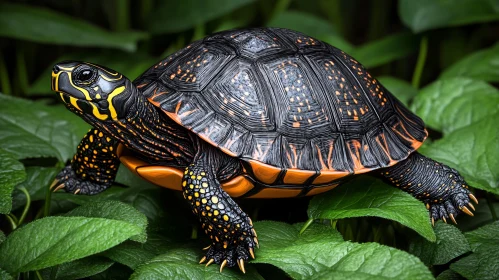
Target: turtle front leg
{"points": [[440, 187], [229, 228], [93, 167]]}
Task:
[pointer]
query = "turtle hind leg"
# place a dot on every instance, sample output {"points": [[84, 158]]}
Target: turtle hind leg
{"points": [[229, 228], [440, 187], [93, 167]]}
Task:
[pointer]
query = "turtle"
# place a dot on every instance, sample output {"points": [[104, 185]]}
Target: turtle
{"points": [[249, 113]]}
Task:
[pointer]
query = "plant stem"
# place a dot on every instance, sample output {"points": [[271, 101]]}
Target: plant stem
{"points": [[418, 71], [333, 223], [122, 8], [145, 9], [26, 207], [12, 221], [22, 73], [306, 225], [38, 275], [4, 77]]}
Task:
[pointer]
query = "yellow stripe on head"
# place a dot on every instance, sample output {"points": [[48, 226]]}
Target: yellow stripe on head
{"points": [[73, 102], [115, 92], [97, 114]]}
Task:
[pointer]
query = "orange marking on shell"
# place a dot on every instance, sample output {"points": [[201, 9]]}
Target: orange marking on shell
{"points": [[263, 172], [277, 193], [292, 158], [297, 176], [383, 144], [356, 155], [238, 186], [318, 190], [142, 85], [177, 108]]}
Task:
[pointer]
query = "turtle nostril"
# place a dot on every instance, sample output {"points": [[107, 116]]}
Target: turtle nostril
{"points": [[56, 69]]}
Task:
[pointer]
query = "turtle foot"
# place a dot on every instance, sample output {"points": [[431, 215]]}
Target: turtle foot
{"points": [[69, 181], [455, 204], [238, 253]]}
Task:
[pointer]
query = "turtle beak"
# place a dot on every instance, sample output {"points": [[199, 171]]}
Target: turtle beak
{"points": [[61, 80]]}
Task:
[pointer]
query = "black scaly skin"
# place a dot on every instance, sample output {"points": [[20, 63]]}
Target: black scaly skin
{"points": [[93, 167], [440, 187], [229, 228]]}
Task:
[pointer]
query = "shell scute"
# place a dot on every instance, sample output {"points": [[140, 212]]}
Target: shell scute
{"points": [[281, 100]]}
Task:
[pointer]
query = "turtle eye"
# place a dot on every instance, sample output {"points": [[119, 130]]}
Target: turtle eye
{"points": [[85, 76]]}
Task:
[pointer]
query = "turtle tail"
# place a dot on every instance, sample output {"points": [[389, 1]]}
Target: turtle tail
{"points": [[439, 186]]}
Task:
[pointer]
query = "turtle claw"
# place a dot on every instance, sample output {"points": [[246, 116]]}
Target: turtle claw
{"points": [[256, 242], [473, 198], [224, 263], [202, 260], [471, 206], [61, 186], [53, 184], [240, 263], [252, 253], [467, 211], [209, 262], [452, 218]]}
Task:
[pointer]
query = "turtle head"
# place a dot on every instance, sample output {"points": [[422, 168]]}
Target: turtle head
{"points": [[92, 91]]}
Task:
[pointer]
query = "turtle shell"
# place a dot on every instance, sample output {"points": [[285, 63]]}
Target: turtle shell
{"points": [[295, 110]]}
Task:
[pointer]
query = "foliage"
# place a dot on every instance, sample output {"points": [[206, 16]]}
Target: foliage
{"points": [[440, 58]]}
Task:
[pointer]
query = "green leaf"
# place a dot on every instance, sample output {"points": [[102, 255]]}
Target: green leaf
{"points": [[129, 65], [311, 25], [449, 275], [430, 14], [116, 271], [130, 254], [11, 173], [38, 179], [31, 129], [114, 210], [182, 263], [54, 240], [46, 26], [403, 90], [83, 268], [171, 16], [4, 275], [481, 65], [482, 264], [473, 150], [364, 196], [447, 105], [320, 253], [2, 237], [450, 244], [387, 49]]}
